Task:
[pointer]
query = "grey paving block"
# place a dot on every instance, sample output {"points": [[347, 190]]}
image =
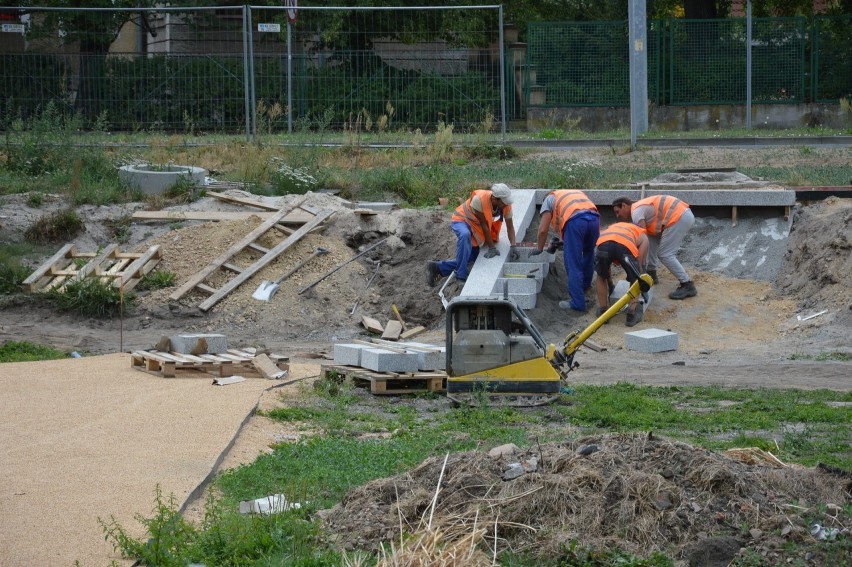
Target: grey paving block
{"points": [[199, 343], [622, 286], [525, 300], [650, 340], [380, 360], [517, 286], [348, 354], [430, 357]]}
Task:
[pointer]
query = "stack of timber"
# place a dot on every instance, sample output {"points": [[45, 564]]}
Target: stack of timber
{"points": [[388, 383], [173, 364]]}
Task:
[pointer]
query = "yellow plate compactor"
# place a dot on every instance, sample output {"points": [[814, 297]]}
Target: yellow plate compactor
{"points": [[495, 353]]}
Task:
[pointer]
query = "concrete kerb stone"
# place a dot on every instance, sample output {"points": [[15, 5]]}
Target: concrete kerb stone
{"points": [[702, 197], [650, 340], [199, 343], [380, 360], [348, 354]]}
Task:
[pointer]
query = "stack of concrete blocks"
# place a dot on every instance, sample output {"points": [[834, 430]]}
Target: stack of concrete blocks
{"points": [[199, 344], [403, 357], [650, 340]]}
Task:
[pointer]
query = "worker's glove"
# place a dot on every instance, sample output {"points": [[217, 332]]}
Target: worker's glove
{"points": [[492, 252], [514, 255], [536, 252]]}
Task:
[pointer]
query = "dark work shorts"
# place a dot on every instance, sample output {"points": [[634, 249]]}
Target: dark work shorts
{"points": [[607, 253]]}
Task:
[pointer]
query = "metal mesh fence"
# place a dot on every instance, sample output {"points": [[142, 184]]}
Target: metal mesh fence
{"points": [[171, 70], [832, 59], [377, 69], [707, 60], [226, 69]]}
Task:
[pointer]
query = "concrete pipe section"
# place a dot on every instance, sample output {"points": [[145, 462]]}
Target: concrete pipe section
{"points": [[156, 179]]}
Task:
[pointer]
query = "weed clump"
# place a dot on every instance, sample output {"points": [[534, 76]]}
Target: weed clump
{"points": [[24, 351], [60, 226], [158, 279], [91, 298]]}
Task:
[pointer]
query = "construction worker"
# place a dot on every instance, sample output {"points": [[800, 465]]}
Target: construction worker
{"points": [[472, 223], [620, 240], [666, 221], [576, 219]]}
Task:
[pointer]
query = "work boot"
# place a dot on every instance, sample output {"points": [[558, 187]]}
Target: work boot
{"points": [[684, 290], [564, 304], [653, 274], [634, 318], [432, 273]]}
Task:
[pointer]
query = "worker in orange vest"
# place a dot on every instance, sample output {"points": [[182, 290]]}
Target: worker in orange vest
{"points": [[666, 220], [572, 215], [474, 223], [620, 240]]}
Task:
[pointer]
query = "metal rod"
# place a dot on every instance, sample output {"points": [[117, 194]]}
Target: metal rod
{"points": [[355, 257], [369, 283]]}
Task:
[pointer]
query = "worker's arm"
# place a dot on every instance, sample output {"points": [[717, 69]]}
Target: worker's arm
{"points": [[510, 231], [543, 229], [643, 253], [486, 230]]}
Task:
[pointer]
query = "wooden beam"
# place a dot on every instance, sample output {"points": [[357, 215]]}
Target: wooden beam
{"points": [[266, 259], [136, 270], [292, 217], [242, 201], [31, 283], [248, 240]]}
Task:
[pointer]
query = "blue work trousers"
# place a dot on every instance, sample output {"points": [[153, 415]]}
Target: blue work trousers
{"points": [[465, 252], [579, 236]]}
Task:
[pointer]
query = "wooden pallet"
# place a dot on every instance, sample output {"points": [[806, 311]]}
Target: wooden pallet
{"points": [[123, 269], [224, 261], [390, 383], [172, 364]]}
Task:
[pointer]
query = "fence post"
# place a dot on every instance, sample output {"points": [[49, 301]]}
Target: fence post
{"points": [[253, 94], [246, 89], [748, 65], [638, 69], [502, 80]]}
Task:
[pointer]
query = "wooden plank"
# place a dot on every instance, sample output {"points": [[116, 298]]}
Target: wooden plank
{"points": [[93, 264], [382, 345], [412, 332], [227, 255], [31, 283], [206, 288], [257, 247], [292, 217], [266, 259], [241, 201], [372, 325], [392, 330], [135, 270]]}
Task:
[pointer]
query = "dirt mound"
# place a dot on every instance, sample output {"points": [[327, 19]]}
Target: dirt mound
{"points": [[325, 312], [819, 255], [638, 492]]}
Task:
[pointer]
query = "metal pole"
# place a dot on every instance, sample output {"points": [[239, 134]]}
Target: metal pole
{"points": [[748, 65], [246, 75], [637, 22], [289, 80], [251, 76], [502, 80]]}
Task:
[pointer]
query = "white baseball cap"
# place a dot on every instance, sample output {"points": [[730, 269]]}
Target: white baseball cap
{"points": [[503, 192]]}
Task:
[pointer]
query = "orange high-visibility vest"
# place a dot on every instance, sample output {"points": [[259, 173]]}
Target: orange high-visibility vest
{"points": [[667, 211], [566, 203], [465, 213], [625, 233]]}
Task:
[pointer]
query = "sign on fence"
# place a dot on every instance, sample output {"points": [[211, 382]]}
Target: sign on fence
{"points": [[276, 28], [13, 28]]}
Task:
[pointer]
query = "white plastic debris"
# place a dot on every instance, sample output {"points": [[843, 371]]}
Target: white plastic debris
{"points": [[800, 318], [824, 533], [228, 380], [272, 504]]}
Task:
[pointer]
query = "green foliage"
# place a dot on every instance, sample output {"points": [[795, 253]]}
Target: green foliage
{"points": [[60, 226], [573, 555], [823, 356], [288, 180], [184, 190], [35, 200], [12, 272], [23, 351], [171, 537], [90, 297], [40, 144], [157, 279]]}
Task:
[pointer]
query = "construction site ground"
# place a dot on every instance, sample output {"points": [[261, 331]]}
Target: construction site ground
{"points": [[742, 330]]}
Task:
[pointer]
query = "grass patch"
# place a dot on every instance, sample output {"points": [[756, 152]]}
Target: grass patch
{"points": [[12, 271], [61, 226], [91, 297], [823, 356], [24, 351], [157, 279]]}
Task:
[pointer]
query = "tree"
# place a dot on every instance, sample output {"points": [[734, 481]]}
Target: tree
{"points": [[92, 31]]}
